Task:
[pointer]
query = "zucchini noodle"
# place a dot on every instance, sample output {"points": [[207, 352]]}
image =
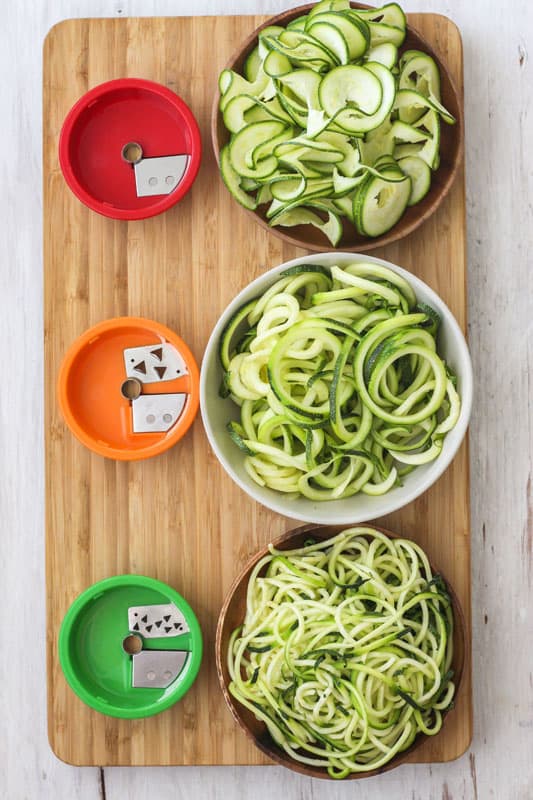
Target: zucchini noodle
{"points": [[346, 648], [339, 382]]}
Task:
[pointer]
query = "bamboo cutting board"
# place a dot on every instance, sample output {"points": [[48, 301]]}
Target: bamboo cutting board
{"points": [[178, 517]]}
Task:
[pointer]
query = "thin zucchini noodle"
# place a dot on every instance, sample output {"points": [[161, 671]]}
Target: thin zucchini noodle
{"points": [[345, 651]]}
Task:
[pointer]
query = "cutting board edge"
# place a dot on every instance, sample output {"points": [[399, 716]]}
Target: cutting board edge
{"points": [[52, 733]]}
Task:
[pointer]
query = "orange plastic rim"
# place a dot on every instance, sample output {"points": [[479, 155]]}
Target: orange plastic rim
{"points": [[89, 383]]}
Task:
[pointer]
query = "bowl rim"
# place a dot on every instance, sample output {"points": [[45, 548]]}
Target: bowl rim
{"points": [[268, 746], [158, 206], [188, 675], [183, 423], [275, 501], [364, 244]]}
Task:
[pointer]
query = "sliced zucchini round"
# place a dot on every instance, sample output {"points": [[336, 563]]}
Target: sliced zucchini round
{"points": [[329, 5], [379, 204], [351, 120], [276, 64], [232, 181], [418, 71], [252, 65], [303, 85], [350, 87], [389, 14], [386, 54], [420, 175], [422, 140], [244, 145], [412, 105], [332, 38], [354, 32]]}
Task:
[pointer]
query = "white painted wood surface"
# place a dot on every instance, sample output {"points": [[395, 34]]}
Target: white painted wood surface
{"points": [[498, 41]]}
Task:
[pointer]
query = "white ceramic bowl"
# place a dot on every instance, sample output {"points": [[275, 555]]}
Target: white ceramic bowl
{"points": [[217, 412]]}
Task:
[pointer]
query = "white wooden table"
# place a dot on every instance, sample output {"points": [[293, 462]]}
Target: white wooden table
{"points": [[497, 39]]}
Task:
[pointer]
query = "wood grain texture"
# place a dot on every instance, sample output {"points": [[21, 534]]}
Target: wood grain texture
{"points": [[178, 517]]}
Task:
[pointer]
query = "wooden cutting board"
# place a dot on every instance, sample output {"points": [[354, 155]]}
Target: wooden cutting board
{"points": [[179, 517]]}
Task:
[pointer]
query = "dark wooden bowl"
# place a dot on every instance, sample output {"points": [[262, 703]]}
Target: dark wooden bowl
{"points": [[232, 615], [451, 153]]}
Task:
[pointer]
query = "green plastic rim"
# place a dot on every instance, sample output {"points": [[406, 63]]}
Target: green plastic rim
{"points": [[94, 662]]}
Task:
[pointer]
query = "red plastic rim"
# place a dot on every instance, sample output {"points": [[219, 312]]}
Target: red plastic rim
{"points": [[102, 122]]}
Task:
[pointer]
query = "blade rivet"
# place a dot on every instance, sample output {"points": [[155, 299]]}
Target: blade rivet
{"points": [[132, 153], [132, 644], [131, 389]]}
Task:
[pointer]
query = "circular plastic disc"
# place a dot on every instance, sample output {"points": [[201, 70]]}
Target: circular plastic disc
{"points": [[108, 118], [94, 660], [97, 377]]}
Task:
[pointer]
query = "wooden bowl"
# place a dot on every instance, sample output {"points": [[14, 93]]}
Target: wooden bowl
{"points": [[232, 615], [451, 153]]}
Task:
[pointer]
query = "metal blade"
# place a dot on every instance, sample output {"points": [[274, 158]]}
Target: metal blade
{"points": [[157, 621], [156, 412], [157, 669], [159, 175]]}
